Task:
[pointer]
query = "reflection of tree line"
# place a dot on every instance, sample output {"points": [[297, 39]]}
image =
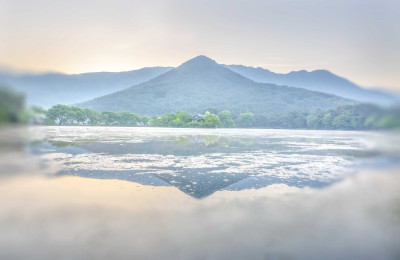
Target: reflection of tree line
{"points": [[208, 140], [182, 140], [165, 145], [62, 144]]}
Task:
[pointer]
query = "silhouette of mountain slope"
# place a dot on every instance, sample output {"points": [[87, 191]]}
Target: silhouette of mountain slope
{"points": [[201, 83], [50, 89], [317, 80]]}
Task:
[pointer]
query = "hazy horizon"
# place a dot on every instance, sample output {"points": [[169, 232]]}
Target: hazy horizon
{"points": [[356, 40], [33, 72]]}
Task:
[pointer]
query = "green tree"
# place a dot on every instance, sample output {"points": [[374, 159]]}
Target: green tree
{"points": [[226, 119], [93, 116], [327, 121], [145, 120], [212, 121], [370, 121], [11, 105], [195, 124], [165, 121], [109, 118], [245, 120], [295, 119], [78, 115], [128, 119], [178, 123], [388, 121], [59, 114], [182, 118], [342, 121], [314, 121], [155, 121]]}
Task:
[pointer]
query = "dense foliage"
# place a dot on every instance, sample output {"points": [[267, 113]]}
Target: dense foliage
{"points": [[66, 115], [12, 108], [349, 117]]}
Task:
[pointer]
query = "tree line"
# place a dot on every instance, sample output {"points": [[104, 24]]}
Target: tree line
{"points": [[348, 117], [69, 115]]}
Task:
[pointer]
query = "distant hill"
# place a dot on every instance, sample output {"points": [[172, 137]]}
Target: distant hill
{"points": [[201, 83], [318, 80], [50, 89]]}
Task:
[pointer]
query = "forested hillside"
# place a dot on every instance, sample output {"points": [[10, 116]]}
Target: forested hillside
{"points": [[201, 83]]}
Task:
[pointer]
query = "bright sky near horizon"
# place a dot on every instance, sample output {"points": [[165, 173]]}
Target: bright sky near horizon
{"points": [[358, 39]]}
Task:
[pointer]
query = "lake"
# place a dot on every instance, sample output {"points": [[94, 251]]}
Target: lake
{"points": [[165, 193]]}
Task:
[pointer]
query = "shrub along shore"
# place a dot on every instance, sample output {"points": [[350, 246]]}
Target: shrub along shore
{"points": [[349, 117]]}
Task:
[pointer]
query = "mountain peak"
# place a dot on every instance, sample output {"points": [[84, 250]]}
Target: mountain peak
{"points": [[202, 58], [199, 62]]}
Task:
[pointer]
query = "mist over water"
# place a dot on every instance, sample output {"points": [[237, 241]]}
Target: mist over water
{"points": [[146, 193]]}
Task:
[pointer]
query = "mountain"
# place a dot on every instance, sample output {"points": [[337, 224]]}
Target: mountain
{"points": [[317, 80], [201, 83], [50, 89]]}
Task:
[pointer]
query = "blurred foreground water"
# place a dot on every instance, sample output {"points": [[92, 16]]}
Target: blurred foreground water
{"points": [[162, 193]]}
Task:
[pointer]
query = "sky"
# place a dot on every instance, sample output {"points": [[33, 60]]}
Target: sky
{"points": [[357, 39]]}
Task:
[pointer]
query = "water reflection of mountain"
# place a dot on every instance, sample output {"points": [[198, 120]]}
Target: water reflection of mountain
{"points": [[198, 183]]}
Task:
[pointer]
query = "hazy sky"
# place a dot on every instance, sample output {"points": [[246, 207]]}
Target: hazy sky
{"points": [[359, 39]]}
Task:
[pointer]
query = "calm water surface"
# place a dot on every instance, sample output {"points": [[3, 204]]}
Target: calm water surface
{"points": [[158, 193]]}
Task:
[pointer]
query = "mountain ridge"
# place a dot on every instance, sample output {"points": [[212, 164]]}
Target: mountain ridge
{"points": [[53, 88], [47, 89], [201, 83], [317, 80]]}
